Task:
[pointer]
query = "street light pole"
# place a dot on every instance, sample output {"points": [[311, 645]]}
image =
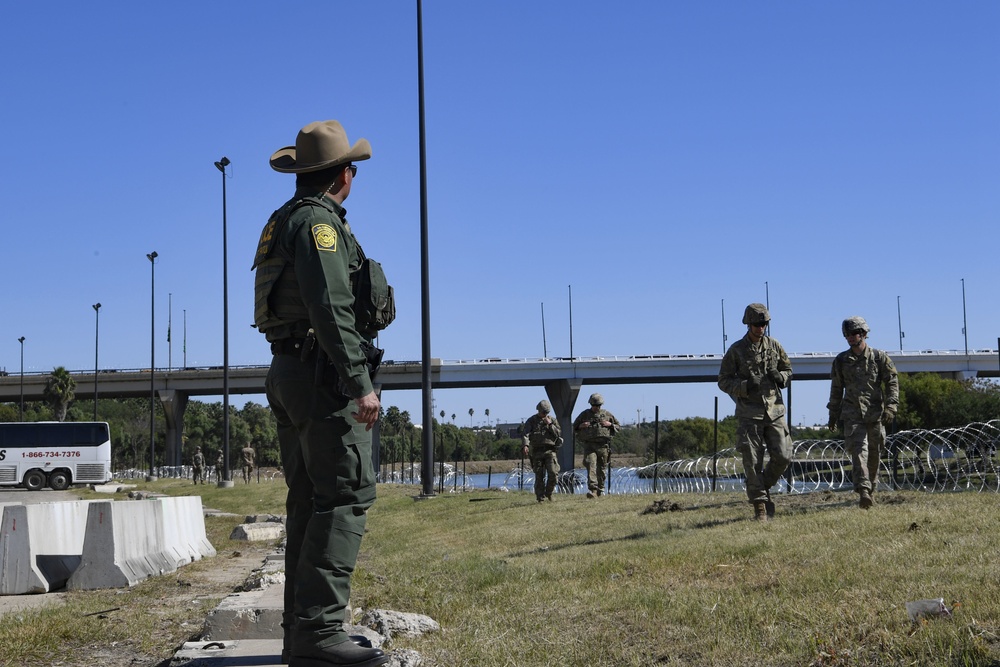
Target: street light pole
{"points": [[899, 320], [21, 412], [965, 324], [226, 482], [152, 361], [724, 338], [97, 335]]}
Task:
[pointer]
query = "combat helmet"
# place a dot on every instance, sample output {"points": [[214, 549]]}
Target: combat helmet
{"points": [[544, 406], [854, 323], [756, 313], [596, 399]]}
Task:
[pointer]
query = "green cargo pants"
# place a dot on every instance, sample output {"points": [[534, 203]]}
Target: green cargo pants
{"points": [[326, 456]]}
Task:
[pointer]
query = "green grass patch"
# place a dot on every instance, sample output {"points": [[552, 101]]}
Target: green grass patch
{"points": [[579, 582]]}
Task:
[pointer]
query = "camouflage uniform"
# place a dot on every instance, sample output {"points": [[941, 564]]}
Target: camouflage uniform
{"points": [[220, 464], [248, 461], [542, 436], [197, 465], [760, 410], [864, 391], [596, 439]]}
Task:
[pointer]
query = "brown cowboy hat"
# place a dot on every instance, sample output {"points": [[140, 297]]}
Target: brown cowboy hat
{"points": [[319, 145]]}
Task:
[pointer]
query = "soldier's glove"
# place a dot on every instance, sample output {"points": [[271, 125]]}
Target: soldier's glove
{"points": [[888, 415], [753, 382], [832, 425], [776, 377]]}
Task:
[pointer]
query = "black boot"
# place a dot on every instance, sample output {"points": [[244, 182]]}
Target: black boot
{"points": [[345, 654]]}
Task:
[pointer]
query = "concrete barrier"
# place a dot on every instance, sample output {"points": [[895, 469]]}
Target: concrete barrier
{"points": [[40, 545], [184, 528], [129, 541]]}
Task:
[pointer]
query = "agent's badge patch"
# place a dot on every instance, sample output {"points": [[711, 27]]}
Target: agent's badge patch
{"points": [[326, 238]]}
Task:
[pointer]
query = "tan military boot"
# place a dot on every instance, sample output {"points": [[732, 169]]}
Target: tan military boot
{"points": [[760, 511], [865, 500]]}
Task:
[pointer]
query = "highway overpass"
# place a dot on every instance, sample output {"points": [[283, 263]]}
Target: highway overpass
{"points": [[562, 378]]}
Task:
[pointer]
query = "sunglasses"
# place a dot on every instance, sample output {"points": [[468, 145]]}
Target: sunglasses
{"points": [[353, 168]]}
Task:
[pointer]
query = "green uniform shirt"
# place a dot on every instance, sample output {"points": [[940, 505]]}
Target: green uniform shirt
{"points": [[861, 387], [541, 435], [320, 249], [596, 433], [745, 358]]}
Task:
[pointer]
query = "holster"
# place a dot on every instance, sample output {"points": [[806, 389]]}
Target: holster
{"points": [[326, 374]]}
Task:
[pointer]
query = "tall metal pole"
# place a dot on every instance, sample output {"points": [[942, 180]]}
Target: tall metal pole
{"points": [[221, 166], [767, 303], [571, 322], [965, 325], [185, 337], [545, 349], [97, 336], [899, 320], [170, 321], [152, 361], [427, 465], [724, 337], [21, 411]]}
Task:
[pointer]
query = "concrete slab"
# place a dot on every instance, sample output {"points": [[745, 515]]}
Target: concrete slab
{"points": [[247, 615], [111, 488], [230, 653], [257, 532]]}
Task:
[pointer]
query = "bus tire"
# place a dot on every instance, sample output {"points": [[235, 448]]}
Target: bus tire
{"points": [[59, 480], [34, 480]]}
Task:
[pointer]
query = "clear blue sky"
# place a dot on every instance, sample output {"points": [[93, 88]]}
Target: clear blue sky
{"points": [[660, 157]]}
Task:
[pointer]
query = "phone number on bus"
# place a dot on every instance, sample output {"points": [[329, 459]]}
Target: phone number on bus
{"points": [[44, 455]]}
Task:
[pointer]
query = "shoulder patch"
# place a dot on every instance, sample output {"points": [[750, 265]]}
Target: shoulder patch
{"points": [[325, 237]]}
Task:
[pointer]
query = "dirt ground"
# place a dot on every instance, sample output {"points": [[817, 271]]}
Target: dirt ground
{"points": [[183, 607]]}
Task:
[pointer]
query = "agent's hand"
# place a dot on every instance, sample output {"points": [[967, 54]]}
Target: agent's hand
{"points": [[888, 415], [776, 377], [753, 382], [368, 407], [832, 425]]}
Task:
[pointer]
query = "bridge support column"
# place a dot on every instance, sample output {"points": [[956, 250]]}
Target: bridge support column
{"points": [[174, 403], [562, 395]]}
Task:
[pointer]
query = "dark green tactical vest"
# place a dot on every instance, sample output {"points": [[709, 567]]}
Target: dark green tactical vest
{"points": [[275, 283]]}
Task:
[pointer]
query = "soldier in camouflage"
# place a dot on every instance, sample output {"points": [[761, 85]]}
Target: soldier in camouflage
{"points": [[595, 427], [198, 465], [864, 395], [542, 439], [754, 371]]}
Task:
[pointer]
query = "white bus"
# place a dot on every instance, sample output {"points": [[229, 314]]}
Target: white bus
{"points": [[55, 454]]}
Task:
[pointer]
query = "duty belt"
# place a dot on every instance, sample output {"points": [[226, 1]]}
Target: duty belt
{"points": [[291, 346]]}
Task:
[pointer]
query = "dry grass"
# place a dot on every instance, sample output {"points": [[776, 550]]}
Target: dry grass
{"points": [[602, 582], [577, 582]]}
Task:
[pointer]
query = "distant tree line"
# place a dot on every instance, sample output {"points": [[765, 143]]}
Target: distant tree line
{"points": [[927, 401]]}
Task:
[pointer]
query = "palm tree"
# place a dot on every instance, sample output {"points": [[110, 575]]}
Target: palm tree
{"points": [[470, 417], [59, 391], [487, 417]]}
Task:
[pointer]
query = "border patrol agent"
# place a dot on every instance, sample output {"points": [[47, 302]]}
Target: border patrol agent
{"points": [[864, 394], [542, 438], [754, 371], [319, 386]]}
